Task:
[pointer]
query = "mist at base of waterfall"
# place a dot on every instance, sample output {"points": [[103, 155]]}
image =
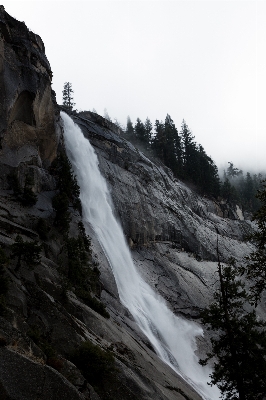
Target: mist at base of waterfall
{"points": [[173, 338]]}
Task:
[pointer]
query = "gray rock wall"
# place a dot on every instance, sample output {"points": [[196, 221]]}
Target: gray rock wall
{"points": [[172, 231], [28, 135]]}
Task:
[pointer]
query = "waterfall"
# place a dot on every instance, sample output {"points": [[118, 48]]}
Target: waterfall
{"points": [[173, 338]]}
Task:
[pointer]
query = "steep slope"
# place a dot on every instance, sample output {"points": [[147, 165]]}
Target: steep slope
{"points": [[172, 231]]}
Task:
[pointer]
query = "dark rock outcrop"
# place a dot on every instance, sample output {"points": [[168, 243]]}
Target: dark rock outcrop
{"points": [[28, 138], [40, 382]]}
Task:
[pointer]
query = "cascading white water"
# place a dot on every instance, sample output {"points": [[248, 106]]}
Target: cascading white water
{"points": [[173, 338]]}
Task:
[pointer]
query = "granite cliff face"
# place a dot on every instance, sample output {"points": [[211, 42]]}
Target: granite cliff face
{"points": [[27, 103], [171, 230]]}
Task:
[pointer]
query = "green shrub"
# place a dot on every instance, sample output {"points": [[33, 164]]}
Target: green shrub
{"points": [[25, 195], [43, 342], [77, 261], [85, 237], [60, 204], [97, 365], [81, 273], [92, 302], [27, 252], [67, 181]]}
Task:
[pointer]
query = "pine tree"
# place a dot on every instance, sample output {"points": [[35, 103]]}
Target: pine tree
{"points": [[228, 192], [232, 171], [189, 153], [172, 144], [129, 128], [207, 177], [68, 96], [140, 131], [245, 187], [179, 155], [238, 340], [239, 344], [148, 131], [158, 142], [249, 191], [27, 252], [255, 271]]}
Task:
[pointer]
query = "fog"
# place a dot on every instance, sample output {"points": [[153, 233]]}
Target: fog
{"points": [[203, 61]]}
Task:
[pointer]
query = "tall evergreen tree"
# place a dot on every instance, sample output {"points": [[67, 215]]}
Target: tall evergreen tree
{"points": [[158, 142], [140, 132], [228, 192], [255, 271], [207, 177], [186, 159], [27, 252], [249, 191], [148, 131], [244, 187], [233, 171], [172, 143], [239, 344], [179, 155], [189, 153], [129, 128], [68, 96], [238, 341]]}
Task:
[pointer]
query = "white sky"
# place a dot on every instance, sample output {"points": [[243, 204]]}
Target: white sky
{"points": [[204, 61]]}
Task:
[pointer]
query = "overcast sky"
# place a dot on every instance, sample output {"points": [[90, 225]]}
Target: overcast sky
{"points": [[202, 61]]}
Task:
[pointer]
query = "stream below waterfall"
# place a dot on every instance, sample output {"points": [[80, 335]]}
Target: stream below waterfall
{"points": [[173, 338]]}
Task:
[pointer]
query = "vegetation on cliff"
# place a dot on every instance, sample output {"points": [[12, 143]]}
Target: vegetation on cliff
{"points": [[24, 194], [188, 160], [80, 271], [239, 342], [98, 367], [25, 252], [68, 96], [178, 151], [240, 188]]}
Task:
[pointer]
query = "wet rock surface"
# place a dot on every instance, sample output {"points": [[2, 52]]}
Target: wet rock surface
{"points": [[172, 231]]}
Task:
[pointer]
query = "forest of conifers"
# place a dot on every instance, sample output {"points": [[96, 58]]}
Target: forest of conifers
{"points": [[189, 162]]}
